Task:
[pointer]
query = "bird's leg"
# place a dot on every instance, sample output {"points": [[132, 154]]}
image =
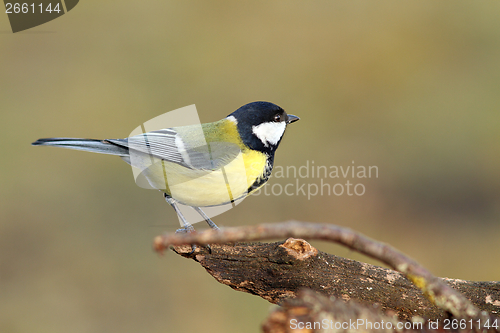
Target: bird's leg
{"points": [[187, 226], [207, 219]]}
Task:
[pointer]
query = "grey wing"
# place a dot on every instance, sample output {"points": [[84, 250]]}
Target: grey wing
{"points": [[185, 146]]}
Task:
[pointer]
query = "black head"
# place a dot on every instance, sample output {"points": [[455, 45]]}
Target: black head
{"points": [[261, 125]]}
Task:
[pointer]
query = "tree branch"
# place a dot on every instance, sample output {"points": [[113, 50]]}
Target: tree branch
{"points": [[287, 267]]}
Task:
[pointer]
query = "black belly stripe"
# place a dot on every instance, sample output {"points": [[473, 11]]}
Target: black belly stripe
{"points": [[264, 177]]}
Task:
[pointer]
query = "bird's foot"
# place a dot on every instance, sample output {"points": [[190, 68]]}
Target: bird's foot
{"points": [[185, 230]]}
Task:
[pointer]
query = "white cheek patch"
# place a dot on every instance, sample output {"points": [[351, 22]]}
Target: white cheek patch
{"points": [[270, 132]]}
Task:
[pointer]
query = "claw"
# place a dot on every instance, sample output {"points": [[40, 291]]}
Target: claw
{"points": [[185, 230]]}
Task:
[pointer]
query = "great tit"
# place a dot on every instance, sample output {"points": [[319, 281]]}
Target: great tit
{"points": [[203, 165]]}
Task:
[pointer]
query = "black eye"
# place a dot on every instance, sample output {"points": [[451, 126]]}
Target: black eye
{"points": [[277, 118]]}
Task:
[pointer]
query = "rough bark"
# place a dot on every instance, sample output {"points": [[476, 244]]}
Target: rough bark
{"points": [[277, 271]]}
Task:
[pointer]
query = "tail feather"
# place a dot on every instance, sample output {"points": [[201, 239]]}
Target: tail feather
{"points": [[95, 146]]}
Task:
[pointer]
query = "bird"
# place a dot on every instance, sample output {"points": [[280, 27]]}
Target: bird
{"points": [[200, 165]]}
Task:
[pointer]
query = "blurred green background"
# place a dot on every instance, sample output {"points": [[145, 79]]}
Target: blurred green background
{"points": [[412, 87]]}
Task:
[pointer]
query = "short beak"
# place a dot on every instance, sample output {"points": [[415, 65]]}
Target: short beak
{"points": [[291, 118]]}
